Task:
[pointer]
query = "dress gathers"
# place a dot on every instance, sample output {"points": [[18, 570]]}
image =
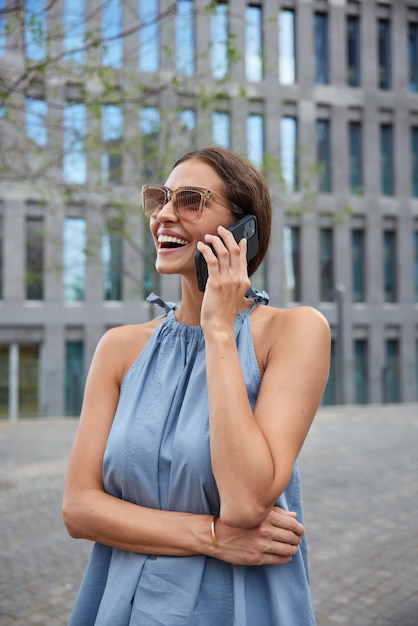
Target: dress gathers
{"points": [[158, 456]]}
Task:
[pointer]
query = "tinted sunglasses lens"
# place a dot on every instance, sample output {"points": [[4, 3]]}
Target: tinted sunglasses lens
{"points": [[153, 199], [188, 202]]}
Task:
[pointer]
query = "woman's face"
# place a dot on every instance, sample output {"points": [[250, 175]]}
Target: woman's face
{"points": [[175, 238]]}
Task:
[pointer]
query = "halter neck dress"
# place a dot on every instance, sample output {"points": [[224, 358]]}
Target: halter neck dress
{"points": [[158, 456]]}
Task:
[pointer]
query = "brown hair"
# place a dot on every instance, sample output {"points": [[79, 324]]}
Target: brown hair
{"points": [[244, 186]]}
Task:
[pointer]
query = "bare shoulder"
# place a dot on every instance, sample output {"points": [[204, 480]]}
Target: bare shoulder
{"points": [[120, 346], [281, 331]]}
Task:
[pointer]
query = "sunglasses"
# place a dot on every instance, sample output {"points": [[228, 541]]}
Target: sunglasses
{"points": [[188, 202]]}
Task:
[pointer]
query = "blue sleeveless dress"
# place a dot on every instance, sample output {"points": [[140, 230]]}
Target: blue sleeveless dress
{"points": [[158, 456]]}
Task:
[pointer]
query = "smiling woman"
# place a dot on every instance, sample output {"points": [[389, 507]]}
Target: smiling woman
{"points": [[186, 411]]}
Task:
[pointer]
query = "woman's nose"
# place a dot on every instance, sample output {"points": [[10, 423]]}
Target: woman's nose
{"points": [[167, 212]]}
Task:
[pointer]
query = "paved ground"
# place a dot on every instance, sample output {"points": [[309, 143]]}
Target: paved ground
{"points": [[360, 477]]}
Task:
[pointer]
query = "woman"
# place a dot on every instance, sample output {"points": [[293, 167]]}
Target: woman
{"points": [[183, 470]]}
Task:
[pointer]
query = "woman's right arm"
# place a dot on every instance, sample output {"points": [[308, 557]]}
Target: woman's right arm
{"points": [[90, 513]]}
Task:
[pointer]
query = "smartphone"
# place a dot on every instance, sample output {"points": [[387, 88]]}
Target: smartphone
{"points": [[244, 227]]}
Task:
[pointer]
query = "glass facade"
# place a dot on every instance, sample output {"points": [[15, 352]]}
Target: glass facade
{"points": [[413, 56], [326, 260], [323, 154], [74, 158], [353, 51], [255, 138], [36, 34], [414, 161], [74, 30], [292, 253], [361, 372], [289, 152], [34, 258], [386, 160], [112, 43], [149, 35], [4, 380], [74, 377], [74, 258], [384, 54], [355, 147], [391, 371], [287, 47], [185, 37], [321, 48], [253, 43], [389, 266], [221, 128], [220, 40], [36, 111], [358, 265], [112, 246], [3, 40], [112, 136]]}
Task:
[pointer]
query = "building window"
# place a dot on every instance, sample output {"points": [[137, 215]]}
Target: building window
{"points": [[358, 264], [288, 152], [149, 35], [1, 251], [112, 43], [291, 241], [36, 38], [4, 380], [74, 258], [74, 156], [287, 47], [415, 235], [34, 257], [255, 138], [74, 30], [35, 121], [112, 243], [3, 40], [321, 54], [361, 372], [353, 51], [112, 134], [323, 155], [28, 400], [219, 40], [326, 260], [384, 54], [221, 129], [74, 377], [149, 126], [414, 161], [386, 159], [355, 142], [389, 266], [391, 372], [185, 40], [413, 56], [253, 43], [330, 393], [187, 124]]}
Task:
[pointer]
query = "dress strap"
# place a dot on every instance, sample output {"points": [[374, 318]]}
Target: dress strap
{"points": [[167, 306], [259, 297]]}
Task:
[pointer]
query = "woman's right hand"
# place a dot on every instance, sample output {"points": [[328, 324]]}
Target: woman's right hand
{"points": [[273, 542]]}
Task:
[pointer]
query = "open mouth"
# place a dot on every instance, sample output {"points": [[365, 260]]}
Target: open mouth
{"points": [[167, 241]]}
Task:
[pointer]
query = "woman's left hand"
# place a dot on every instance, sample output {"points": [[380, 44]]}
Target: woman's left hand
{"points": [[228, 280]]}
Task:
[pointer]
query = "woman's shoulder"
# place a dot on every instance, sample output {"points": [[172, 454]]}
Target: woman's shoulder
{"points": [[279, 330]]}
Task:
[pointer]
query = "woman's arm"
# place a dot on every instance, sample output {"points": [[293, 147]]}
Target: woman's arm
{"points": [[90, 513], [253, 453]]}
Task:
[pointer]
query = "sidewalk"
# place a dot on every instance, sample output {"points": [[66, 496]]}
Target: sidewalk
{"points": [[360, 478]]}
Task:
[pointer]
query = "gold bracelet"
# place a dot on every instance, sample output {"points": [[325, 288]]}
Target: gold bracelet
{"points": [[212, 530]]}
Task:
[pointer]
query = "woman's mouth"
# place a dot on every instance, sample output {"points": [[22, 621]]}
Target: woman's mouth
{"points": [[169, 241]]}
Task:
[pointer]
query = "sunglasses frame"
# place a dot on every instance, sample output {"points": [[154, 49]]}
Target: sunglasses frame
{"points": [[205, 194]]}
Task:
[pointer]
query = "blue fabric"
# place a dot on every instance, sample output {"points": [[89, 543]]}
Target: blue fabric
{"points": [[158, 456]]}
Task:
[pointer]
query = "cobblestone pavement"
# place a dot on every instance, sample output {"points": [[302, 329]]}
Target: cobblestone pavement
{"points": [[360, 478]]}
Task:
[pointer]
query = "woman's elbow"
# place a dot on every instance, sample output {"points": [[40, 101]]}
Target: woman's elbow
{"points": [[244, 516]]}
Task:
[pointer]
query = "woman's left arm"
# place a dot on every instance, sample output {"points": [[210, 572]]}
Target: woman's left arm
{"points": [[253, 452]]}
